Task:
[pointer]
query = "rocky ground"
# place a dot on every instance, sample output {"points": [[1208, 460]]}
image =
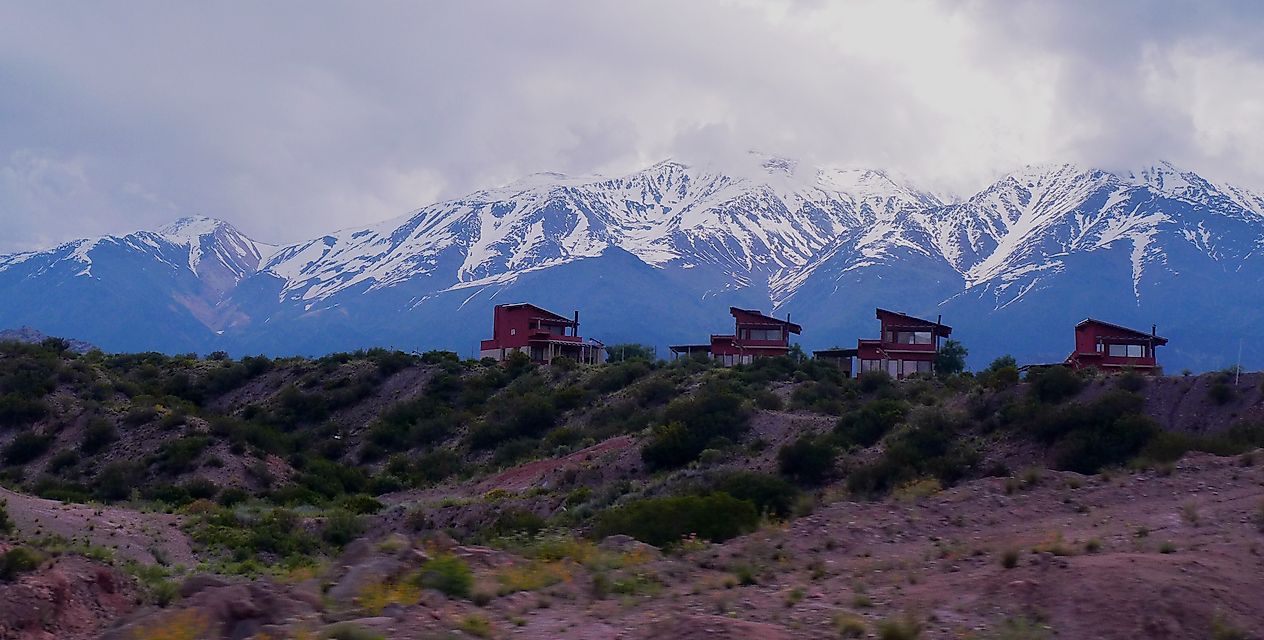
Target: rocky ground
{"points": [[1177, 553]]}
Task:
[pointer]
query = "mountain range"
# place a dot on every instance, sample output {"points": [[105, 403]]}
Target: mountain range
{"points": [[659, 255]]}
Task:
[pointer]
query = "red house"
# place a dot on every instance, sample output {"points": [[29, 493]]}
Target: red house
{"points": [[1109, 346], [539, 333], [755, 335], [908, 345]]}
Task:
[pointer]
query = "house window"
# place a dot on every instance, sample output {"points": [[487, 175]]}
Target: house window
{"points": [[909, 337], [1127, 350], [762, 334], [870, 365]]}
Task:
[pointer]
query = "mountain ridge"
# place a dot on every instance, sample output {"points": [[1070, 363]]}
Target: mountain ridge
{"points": [[787, 236]]}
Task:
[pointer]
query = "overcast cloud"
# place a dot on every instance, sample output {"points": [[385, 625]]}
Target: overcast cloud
{"points": [[291, 119]]}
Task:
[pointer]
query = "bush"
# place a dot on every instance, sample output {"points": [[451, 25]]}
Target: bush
{"points": [[808, 460], [905, 628], [116, 480], [1110, 430], [866, 426], [927, 447], [1131, 381], [661, 521], [341, 527], [6, 523], [17, 410], [513, 521], [874, 381], [1221, 393], [613, 377], [177, 456], [17, 561], [770, 494], [1053, 384], [448, 574], [26, 447], [692, 423]]}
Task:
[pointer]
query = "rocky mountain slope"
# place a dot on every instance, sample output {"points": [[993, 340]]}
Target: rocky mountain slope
{"points": [[656, 256]]}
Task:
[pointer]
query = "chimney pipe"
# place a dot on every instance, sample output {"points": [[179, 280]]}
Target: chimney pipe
{"points": [[1154, 330], [576, 327]]}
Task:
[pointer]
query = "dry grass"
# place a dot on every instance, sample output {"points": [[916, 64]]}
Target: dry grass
{"points": [[532, 576], [377, 596], [189, 624]]}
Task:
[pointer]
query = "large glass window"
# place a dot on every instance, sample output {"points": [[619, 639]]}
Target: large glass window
{"points": [[762, 334], [909, 337], [870, 365], [1127, 350]]}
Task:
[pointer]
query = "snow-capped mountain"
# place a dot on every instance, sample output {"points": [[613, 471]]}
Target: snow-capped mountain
{"points": [[147, 290], [657, 256]]}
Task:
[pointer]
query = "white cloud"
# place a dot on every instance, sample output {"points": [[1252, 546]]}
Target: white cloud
{"points": [[293, 119]]}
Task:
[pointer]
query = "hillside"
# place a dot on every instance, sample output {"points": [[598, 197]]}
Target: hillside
{"points": [[1012, 268], [421, 495]]}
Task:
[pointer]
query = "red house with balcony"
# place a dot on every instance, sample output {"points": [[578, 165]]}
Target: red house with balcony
{"points": [[539, 333], [908, 345], [1109, 347], [755, 335]]}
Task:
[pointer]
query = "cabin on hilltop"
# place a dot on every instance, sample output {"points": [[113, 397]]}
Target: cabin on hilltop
{"points": [[1109, 346], [755, 335], [539, 333], [907, 345]]}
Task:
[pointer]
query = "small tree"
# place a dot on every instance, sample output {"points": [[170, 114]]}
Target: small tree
{"points": [[629, 351], [951, 358]]}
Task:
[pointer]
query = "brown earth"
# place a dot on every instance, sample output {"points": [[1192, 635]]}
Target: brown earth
{"points": [[148, 538], [1127, 556]]}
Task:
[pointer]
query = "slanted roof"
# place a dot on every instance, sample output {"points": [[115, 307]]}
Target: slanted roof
{"points": [[766, 319], [941, 329], [542, 312], [1128, 333]]}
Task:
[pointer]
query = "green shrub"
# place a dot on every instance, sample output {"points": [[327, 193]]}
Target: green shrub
{"points": [[360, 504], [97, 435], [692, 423], [448, 574], [823, 396], [928, 446], [177, 456], [17, 410], [341, 527], [874, 381], [17, 561], [866, 426], [1053, 384], [1221, 393], [62, 460], [6, 523], [904, 628], [612, 377], [770, 494], [808, 460], [116, 480], [1131, 381], [518, 521], [26, 446], [661, 521]]}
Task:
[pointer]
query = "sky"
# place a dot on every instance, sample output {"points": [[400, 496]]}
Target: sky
{"points": [[293, 118]]}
